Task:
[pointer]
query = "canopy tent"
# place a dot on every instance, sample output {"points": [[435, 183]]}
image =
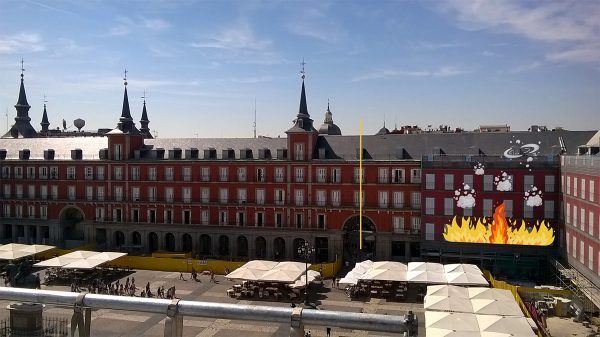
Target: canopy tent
{"points": [[461, 278], [107, 256], [301, 282], [453, 304], [247, 274], [35, 249], [84, 264], [291, 266], [384, 275], [13, 251], [260, 265], [12, 247], [347, 281], [496, 307], [431, 277], [13, 254], [80, 254], [451, 321], [490, 293], [58, 261], [447, 291], [503, 334], [426, 266], [278, 275], [462, 267], [516, 326], [436, 332], [391, 265], [81, 259]]}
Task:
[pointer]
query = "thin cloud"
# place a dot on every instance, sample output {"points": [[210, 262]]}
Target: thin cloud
{"points": [[127, 25], [447, 71], [21, 42], [315, 23], [572, 27], [55, 9], [233, 38], [424, 45], [526, 67]]}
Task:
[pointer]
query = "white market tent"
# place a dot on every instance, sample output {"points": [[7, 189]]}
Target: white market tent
{"points": [[269, 271], [245, 274], [83, 264], [517, 326], [81, 259], [278, 275], [436, 332], [13, 251], [12, 247], [384, 275], [391, 265], [462, 267], [13, 255], [426, 276], [471, 325], [487, 301], [448, 291], [260, 265], [489, 293], [496, 307], [426, 266], [291, 266], [466, 278], [58, 261], [451, 321], [453, 304]]}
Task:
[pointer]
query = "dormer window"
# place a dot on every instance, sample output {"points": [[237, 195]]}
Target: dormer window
{"points": [[118, 155], [299, 151]]}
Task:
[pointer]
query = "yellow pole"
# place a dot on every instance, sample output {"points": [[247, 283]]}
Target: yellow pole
{"points": [[360, 182]]}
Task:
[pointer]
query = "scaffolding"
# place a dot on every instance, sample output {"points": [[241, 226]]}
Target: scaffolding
{"points": [[583, 289]]}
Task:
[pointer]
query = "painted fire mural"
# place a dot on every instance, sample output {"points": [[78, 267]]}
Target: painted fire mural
{"points": [[499, 231]]}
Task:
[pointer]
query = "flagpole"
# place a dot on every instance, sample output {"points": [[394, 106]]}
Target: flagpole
{"points": [[360, 182]]}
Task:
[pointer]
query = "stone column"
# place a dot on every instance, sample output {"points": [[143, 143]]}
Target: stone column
{"points": [[269, 254], [214, 240], [178, 245], [251, 247], [26, 319]]}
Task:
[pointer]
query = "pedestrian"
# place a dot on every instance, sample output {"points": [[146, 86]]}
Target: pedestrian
{"points": [[181, 276], [328, 331]]}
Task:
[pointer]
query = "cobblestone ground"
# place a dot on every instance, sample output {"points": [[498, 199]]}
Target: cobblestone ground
{"points": [[125, 323]]}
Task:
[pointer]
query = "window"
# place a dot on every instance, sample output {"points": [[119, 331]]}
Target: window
{"points": [[71, 172], [43, 172], [549, 183], [527, 182], [118, 153], [151, 194], [336, 175], [259, 219], [398, 222], [118, 173], [582, 217], [299, 151], [31, 191], [99, 172], [383, 199], [591, 257], [31, 211], [54, 192], [135, 194], [549, 209], [568, 213], [429, 231], [135, 173], [241, 195], [7, 211], [508, 208], [168, 216], [321, 197], [321, 174], [468, 180], [415, 176], [169, 195], [223, 218], [71, 192], [44, 192], [135, 215], [240, 219], [19, 172], [54, 172], [448, 206], [415, 200], [574, 246], [581, 251], [152, 216], [527, 210], [7, 191], [321, 221], [278, 220], [30, 172], [591, 223], [205, 173], [568, 185], [591, 198], [6, 172], [117, 215], [582, 189], [429, 206], [299, 220], [89, 173], [575, 189], [358, 178], [152, 173], [415, 224], [487, 207], [204, 217], [118, 193], [99, 213], [575, 222], [187, 194], [299, 171], [357, 201], [44, 212], [205, 195], [89, 193], [260, 174], [488, 182], [169, 173], [383, 175], [279, 197], [299, 197], [430, 181], [241, 174], [449, 182], [223, 174], [398, 176], [398, 199], [187, 173], [279, 174], [336, 197], [260, 196], [223, 195]]}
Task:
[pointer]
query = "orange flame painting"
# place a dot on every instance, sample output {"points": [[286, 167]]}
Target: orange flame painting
{"points": [[499, 231]]}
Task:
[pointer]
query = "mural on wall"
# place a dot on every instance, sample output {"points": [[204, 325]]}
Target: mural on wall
{"points": [[499, 230], [517, 150]]}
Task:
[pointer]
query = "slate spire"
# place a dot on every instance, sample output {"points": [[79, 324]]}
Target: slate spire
{"points": [[144, 121], [303, 122], [45, 124], [126, 122], [22, 127]]}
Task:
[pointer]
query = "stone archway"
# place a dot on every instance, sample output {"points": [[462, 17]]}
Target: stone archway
{"points": [[242, 246], [261, 247], [279, 249], [153, 242], [186, 242], [170, 242], [136, 239], [71, 223], [119, 239], [205, 244], [351, 239], [224, 245]]}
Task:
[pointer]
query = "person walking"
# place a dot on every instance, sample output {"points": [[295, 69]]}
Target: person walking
{"points": [[328, 331]]}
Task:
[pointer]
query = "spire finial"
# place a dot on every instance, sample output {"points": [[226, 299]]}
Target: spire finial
{"points": [[22, 69], [302, 71], [45, 101], [144, 97], [125, 77], [328, 105]]}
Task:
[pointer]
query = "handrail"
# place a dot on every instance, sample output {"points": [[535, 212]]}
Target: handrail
{"points": [[340, 319]]}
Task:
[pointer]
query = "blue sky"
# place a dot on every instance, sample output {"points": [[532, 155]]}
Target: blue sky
{"points": [[203, 63]]}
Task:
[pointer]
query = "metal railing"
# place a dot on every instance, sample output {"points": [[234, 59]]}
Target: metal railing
{"points": [[174, 310]]}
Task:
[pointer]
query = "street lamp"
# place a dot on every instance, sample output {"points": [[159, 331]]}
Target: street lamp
{"points": [[305, 251]]}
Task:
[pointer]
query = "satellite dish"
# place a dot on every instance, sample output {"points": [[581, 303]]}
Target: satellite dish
{"points": [[79, 123]]}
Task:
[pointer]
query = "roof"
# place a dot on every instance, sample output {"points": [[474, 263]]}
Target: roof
{"points": [[90, 147]]}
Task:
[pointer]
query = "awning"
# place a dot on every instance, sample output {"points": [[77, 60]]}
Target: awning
{"points": [[442, 303], [58, 261], [385, 275], [393, 265], [278, 275], [13, 254], [84, 264], [260, 264], [461, 278], [462, 267], [429, 277], [291, 266], [243, 273], [451, 321], [516, 326], [447, 291], [426, 266], [490, 293], [496, 307]]}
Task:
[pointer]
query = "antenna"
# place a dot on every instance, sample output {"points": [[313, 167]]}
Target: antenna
{"points": [[22, 69], [254, 124], [125, 77], [144, 97], [302, 71]]}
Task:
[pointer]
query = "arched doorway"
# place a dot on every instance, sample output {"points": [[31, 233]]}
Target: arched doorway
{"points": [[242, 246], [153, 242], [170, 242], [351, 239], [298, 242], [261, 247], [279, 249], [136, 239], [119, 239], [224, 245], [186, 242], [205, 244], [71, 222]]}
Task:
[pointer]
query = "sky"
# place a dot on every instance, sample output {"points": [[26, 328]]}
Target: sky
{"points": [[203, 64]]}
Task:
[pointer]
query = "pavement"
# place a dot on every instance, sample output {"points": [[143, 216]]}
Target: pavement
{"points": [[566, 327], [125, 323]]}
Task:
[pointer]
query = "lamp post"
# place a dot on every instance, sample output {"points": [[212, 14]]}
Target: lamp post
{"points": [[305, 251]]}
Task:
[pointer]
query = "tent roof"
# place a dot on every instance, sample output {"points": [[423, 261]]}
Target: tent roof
{"points": [[384, 275], [447, 290], [260, 264], [435, 332], [496, 307], [426, 266], [490, 293], [508, 325], [389, 265], [13, 254], [84, 264], [462, 267], [466, 278], [451, 321], [245, 274], [12, 247], [35, 249], [432, 277], [291, 266], [80, 254], [58, 261], [453, 304], [278, 275]]}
